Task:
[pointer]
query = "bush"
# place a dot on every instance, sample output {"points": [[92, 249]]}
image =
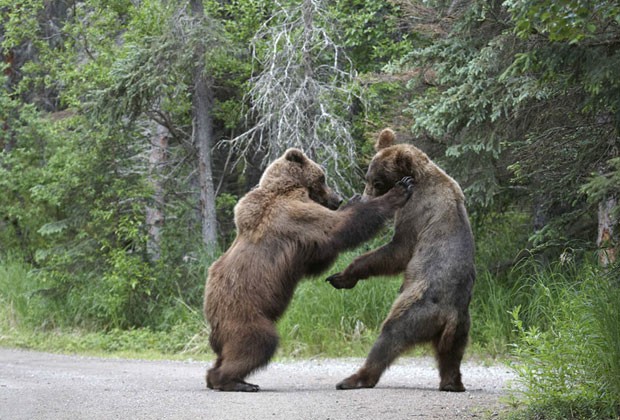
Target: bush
{"points": [[19, 302], [569, 361]]}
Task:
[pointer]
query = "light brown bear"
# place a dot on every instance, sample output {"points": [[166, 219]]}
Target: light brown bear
{"points": [[288, 227], [433, 245]]}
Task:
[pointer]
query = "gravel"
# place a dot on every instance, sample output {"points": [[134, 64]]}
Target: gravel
{"points": [[35, 385]]}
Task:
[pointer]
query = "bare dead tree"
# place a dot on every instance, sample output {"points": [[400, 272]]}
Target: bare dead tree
{"points": [[303, 89]]}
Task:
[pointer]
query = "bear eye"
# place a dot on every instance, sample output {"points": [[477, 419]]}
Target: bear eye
{"points": [[378, 185], [322, 179]]}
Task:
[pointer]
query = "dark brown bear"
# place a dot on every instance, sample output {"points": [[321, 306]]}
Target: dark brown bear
{"points": [[433, 245], [288, 227]]}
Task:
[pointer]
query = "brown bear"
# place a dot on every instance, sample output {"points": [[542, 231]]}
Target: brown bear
{"points": [[433, 245], [287, 227]]}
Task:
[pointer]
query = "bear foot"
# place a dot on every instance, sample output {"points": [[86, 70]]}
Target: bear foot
{"points": [[453, 387], [355, 382], [215, 381], [237, 386]]}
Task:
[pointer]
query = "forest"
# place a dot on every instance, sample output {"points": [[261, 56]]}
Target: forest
{"points": [[129, 129]]}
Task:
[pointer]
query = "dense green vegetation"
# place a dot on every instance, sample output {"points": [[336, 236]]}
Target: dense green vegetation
{"points": [[129, 129]]}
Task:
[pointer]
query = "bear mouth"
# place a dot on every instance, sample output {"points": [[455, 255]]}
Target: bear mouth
{"points": [[333, 204]]}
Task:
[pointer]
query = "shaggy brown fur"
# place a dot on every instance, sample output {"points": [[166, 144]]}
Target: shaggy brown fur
{"points": [[433, 245], [287, 227]]}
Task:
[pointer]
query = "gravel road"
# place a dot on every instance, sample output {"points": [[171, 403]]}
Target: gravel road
{"points": [[36, 385]]}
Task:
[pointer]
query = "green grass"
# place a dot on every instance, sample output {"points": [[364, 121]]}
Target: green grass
{"points": [[178, 343], [25, 323], [323, 321], [567, 350], [20, 301], [320, 322]]}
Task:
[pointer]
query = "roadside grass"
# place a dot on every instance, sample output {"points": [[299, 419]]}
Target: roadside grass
{"points": [[325, 322], [24, 323], [567, 348], [320, 322]]}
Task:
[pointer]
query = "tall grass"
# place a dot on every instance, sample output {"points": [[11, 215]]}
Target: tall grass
{"points": [[320, 321], [323, 321], [29, 320], [19, 301], [567, 347]]}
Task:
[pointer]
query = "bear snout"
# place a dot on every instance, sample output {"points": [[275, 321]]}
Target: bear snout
{"points": [[334, 202]]}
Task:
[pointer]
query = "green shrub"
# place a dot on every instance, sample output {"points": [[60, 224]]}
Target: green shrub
{"points": [[22, 293], [569, 361]]}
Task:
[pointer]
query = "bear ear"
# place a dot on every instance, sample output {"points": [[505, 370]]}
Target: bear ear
{"points": [[295, 155], [386, 139]]}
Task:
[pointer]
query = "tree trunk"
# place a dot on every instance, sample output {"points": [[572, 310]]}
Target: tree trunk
{"points": [[607, 240], [155, 215], [309, 97], [202, 134]]}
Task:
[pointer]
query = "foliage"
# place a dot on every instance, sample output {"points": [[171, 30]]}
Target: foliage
{"points": [[602, 185], [498, 285], [21, 212], [372, 32], [567, 20], [19, 294], [225, 209], [517, 93], [76, 181], [569, 361]]}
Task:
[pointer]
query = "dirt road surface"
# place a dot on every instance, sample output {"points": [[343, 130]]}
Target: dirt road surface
{"points": [[36, 385]]}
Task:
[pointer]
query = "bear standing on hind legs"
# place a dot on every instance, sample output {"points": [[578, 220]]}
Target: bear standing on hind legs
{"points": [[288, 227], [433, 245]]}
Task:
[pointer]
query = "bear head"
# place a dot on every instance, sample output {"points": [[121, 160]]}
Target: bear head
{"points": [[391, 163], [294, 170]]}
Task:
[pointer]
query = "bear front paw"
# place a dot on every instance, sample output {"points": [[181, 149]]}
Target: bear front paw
{"points": [[407, 183], [339, 281], [356, 199]]}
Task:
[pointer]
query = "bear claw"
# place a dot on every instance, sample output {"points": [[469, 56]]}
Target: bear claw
{"points": [[407, 182], [340, 282], [352, 383]]}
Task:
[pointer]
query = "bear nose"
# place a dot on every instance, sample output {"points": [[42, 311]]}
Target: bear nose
{"points": [[334, 202]]}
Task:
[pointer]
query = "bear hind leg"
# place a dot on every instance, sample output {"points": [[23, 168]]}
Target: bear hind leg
{"points": [[389, 345], [250, 350], [216, 366], [449, 361], [215, 380]]}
